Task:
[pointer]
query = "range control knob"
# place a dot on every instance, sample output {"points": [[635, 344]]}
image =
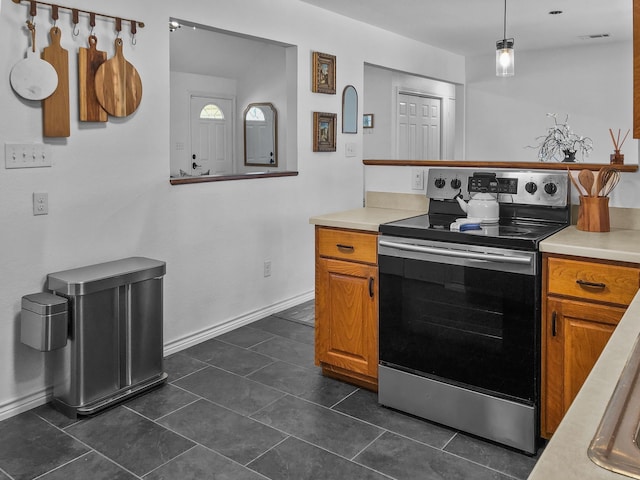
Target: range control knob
{"points": [[551, 188], [531, 187], [456, 183], [440, 183]]}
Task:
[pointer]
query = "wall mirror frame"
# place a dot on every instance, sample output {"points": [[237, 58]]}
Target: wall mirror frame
{"points": [[349, 110], [260, 121]]}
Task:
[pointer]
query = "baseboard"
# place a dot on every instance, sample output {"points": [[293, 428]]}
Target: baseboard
{"points": [[23, 404], [35, 399], [187, 341]]}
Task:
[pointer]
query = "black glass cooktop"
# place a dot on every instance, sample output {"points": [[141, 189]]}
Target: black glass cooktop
{"points": [[508, 233]]}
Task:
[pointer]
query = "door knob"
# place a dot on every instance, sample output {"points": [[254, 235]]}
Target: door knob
{"points": [[194, 165]]}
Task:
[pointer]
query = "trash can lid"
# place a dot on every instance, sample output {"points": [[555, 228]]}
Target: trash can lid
{"points": [[104, 276], [44, 303]]}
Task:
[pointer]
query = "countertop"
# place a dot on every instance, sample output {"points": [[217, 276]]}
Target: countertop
{"points": [[619, 244], [380, 208], [565, 456]]}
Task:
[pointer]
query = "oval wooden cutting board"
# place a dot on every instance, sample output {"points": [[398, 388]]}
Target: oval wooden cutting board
{"points": [[118, 85], [89, 60], [55, 108]]}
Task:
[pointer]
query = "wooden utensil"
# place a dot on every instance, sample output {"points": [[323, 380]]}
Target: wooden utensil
{"points": [[89, 60], [32, 78], [586, 180], [55, 109], [118, 85], [575, 184]]}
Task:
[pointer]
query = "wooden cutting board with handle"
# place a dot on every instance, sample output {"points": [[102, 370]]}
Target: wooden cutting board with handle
{"points": [[55, 108], [33, 78], [118, 85], [89, 60]]}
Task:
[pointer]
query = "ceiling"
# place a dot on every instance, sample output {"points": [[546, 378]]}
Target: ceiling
{"points": [[471, 27]]}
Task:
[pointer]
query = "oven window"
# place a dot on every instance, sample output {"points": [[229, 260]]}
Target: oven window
{"points": [[465, 325]]}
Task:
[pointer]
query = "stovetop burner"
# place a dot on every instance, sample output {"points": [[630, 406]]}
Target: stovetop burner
{"points": [[532, 206], [511, 233]]}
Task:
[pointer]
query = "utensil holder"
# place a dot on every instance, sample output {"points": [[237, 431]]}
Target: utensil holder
{"points": [[593, 214], [616, 158]]}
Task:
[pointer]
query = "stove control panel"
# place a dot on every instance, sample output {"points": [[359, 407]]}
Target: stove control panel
{"points": [[530, 187]]}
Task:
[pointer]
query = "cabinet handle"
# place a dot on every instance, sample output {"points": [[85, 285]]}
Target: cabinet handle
{"points": [[371, 287], [554, 324], [584, 283], [345, 247]]}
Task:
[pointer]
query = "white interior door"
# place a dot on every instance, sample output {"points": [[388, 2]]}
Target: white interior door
{"points": [[419, 127], [211, 135]]}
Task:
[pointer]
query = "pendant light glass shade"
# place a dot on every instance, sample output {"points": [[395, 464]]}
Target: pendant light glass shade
{"points": [[505, 58]]}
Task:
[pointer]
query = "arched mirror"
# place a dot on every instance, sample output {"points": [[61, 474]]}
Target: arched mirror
{"points": [[349, 110], [261, 135]]}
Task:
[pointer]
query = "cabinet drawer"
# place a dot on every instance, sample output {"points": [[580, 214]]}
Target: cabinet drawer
{"points": [[590, 280], [347, 245]]}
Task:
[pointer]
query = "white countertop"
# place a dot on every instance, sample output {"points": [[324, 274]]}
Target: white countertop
{"points": [[565, 456], [380, 208], [619, 244]]}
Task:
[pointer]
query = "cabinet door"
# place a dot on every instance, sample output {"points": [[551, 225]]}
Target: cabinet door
{"points": [[346, 315], [574, 335]]}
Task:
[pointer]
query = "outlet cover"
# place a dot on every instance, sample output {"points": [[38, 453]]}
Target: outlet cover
{"points": [[417, 179], [40, 203]]}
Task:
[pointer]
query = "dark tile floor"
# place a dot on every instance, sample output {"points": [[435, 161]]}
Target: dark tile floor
{"points": [[249, 404]]}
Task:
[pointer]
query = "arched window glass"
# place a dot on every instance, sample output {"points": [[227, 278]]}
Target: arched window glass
{"points": [[256, 114], [211, 111]]}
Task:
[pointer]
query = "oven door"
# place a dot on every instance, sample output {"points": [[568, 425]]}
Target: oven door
{"points": [[465, 315]]}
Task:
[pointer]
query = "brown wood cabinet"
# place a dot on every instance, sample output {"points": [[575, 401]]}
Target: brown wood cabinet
{"points": [[347, 305], [583, 301]]}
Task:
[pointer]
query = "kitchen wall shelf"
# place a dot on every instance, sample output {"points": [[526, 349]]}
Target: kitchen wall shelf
{"points": [[485, 164], [223, 178]]}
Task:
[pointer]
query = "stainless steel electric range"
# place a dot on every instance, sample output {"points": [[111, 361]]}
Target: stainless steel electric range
{"points": [[460, 302]]}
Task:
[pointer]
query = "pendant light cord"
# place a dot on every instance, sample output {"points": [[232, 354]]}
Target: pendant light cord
{"points": [[504, 33]]}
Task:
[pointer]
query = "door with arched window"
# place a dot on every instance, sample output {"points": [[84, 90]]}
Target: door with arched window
{"points": [[211, 136]]}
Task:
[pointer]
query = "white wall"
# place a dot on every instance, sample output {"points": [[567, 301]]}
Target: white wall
{"points": [[109, 190]]}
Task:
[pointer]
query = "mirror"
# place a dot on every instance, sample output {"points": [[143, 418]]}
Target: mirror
{"points": [[349, 110], [260, 135]]}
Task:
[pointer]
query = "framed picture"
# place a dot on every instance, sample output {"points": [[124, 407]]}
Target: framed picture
{"points": [[324, 132], [324, 73], [367, 120]]}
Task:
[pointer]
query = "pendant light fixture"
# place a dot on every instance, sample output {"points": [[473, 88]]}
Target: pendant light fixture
{"points": [[504, 52]]}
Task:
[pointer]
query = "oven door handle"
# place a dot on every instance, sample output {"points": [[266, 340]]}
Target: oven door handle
{"points": [[457, 253]]}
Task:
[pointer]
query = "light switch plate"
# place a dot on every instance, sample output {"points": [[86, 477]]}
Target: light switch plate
{"points": [[26, 155]]}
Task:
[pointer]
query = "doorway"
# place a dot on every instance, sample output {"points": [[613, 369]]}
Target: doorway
{"points": [[211, 135]]}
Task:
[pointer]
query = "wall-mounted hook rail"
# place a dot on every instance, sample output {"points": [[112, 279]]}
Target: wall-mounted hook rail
{"points": [[55, 8]]}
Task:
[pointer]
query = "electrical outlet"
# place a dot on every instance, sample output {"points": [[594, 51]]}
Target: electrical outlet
{"points": [[267, 268], [417, 179], [26, 155], [40, 203]]}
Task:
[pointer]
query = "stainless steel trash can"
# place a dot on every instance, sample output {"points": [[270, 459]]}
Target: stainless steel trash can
{"points": [[115, 346], [43, 321]]}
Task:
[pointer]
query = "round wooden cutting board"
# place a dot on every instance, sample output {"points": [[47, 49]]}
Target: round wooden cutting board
{"points": [[33, 78], [118, 85]]}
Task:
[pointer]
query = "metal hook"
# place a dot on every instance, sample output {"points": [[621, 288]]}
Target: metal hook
{"points": [[74, 14], [133, 40]]}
